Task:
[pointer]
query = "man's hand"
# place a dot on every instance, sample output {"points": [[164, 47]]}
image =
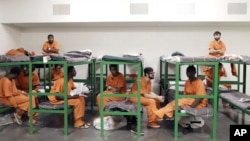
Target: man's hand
{"points": [[161, 98]]}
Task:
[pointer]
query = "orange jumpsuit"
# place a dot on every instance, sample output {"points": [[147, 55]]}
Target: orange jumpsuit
{"points": [[11, 96], [78, 103], [209, 74], [16, 52], [118, 81], [221, 46], [149, 104], [55, 75], [22, 81], [195, 88], [47, 45]]}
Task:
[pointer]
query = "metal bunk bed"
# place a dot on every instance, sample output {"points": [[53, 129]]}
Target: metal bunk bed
{"points": [[197, 61], [64, 108], [119, 61]]}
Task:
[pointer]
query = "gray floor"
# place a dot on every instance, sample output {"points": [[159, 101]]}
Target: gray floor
{"points": [[51, 126]]}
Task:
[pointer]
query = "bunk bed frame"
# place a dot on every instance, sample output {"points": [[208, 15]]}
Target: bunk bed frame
{"points": [[230, 96], [214, 96], [102, 95], [66, 109]]}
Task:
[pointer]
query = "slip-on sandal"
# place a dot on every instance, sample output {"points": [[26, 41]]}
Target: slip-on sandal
{"points": [[84, 126], [18, 120]]}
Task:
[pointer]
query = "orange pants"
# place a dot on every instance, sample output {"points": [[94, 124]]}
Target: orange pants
{"points": [[78, 111], [168, 110], [106, 100], [22, 102], [150, 105]]}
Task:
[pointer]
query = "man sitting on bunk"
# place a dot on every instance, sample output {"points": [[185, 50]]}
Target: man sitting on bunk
{"points": [[115, 83], [209, 76], [193, 86], [22, 81], [209, 79], [217, 48], [50, 47], [11, 96], [149, 99], [78, 102], [56, 72]]}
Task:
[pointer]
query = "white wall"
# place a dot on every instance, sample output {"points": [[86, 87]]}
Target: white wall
{"points": [[40, 11], [152, 42], [9, 37]]}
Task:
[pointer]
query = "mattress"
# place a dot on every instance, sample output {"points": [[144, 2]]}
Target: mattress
{"points": [[234, 97]]}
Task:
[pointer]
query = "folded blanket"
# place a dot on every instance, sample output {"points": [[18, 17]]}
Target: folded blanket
{"points": [[202, 112], [124, 105]]}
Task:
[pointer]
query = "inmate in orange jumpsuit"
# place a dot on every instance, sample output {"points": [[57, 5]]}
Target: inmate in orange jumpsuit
{"points": [[195, 88], [47, 46], [56, 74], [209, 74], [221, 46], [18, 52], [78, 103], [22, 81], [116, 82], [11, 96], [149, 104]]}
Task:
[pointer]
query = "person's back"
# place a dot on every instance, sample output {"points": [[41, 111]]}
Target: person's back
{"points": [[22, 81]]}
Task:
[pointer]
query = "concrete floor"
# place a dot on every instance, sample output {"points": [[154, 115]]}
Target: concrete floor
{"points": [[51, 126]]}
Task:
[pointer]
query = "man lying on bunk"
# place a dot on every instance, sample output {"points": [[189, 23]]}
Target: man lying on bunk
{"points": [[19, 52], [50, 47], [115, 83], [149, 99], [193, 86], [56, 72], [11, 96], [78, 102]]}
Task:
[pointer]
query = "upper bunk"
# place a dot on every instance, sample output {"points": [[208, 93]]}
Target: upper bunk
{"points": [[240, 60]]}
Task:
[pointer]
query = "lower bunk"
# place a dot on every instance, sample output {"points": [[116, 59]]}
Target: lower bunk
{"points": [[239, 101]]}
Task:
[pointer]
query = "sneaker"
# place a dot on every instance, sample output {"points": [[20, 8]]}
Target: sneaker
{"points": [[17, 119], [134, 130], [153, 125]]}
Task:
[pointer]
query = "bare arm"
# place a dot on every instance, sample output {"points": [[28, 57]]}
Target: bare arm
{"points": [[154, 96], [196, 102]]}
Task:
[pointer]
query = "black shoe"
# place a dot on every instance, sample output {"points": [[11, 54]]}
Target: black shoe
{"points": [[134, 130], [187, 130]]}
